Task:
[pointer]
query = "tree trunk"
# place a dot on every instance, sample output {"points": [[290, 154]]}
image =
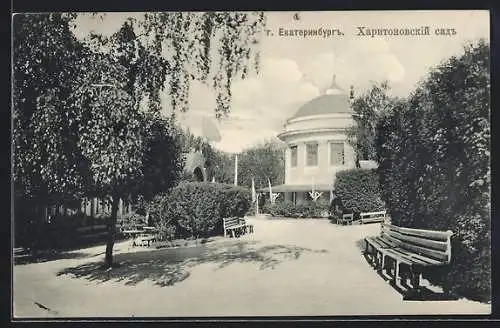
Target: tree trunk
{"points": [[111, 231]]}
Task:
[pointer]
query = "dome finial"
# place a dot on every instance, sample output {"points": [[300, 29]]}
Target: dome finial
{"points": [[334, 88]]}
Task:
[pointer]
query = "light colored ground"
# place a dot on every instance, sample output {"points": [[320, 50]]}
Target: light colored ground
{"points": [[286, 268]]}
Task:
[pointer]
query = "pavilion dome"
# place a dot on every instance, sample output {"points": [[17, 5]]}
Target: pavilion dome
{"points": [[333, 100]]}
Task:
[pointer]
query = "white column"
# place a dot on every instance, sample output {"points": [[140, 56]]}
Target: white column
{"points": [[288, 164], [323, 162], [120, 208]]}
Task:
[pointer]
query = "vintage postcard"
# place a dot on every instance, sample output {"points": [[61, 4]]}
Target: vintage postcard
{"points": [[244, 164]]}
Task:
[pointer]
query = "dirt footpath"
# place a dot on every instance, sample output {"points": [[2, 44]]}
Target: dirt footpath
{"points": [[286, 268]]}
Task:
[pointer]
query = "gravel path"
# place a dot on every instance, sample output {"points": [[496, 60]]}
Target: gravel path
{"points": [[286, 268]]}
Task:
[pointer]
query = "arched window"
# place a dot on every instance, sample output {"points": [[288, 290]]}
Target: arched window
{"points": [[198, 174]]}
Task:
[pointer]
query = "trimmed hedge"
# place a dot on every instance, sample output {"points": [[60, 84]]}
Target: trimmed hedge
{"points": [[434, 155], [197, 208], [358, 191], [300, 210], [167, 227]]}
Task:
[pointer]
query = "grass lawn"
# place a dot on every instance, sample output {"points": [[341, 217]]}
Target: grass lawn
{"points": [[285, 268]]}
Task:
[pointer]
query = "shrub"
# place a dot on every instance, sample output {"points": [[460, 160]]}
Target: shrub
{"points": [[132, 220], [434, 155], [251, 211], [197, 208], [300, 210], [358, 191]]}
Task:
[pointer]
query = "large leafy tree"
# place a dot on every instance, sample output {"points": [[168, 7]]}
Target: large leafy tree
{"points": [[111, 134], [220, 166], [262, 162], [48, 167], [46, 62], [162, 162], [367, 109]]}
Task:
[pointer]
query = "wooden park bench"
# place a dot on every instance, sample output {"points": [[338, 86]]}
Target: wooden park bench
{"points": [[371, 217], [145, 239], [416, 250], [248, 227], [236, 227], [346, 219]]}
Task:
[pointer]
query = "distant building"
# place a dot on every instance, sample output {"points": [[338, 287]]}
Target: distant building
{"points": [[316, 145], [195, 164]]}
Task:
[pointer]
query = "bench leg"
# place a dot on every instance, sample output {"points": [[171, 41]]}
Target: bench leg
{"points": [[396, 279], [382, 260], [396, 271], [371, 254], [374, 257], [415, 293], [377, 259], [415, 280]]}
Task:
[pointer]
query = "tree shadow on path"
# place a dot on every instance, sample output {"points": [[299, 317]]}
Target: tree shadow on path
{"points": [[47, 256], [165, 267]]}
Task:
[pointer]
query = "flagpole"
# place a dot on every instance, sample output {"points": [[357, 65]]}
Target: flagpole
{"points": [[255, 197], [235, 169], [270, 191]]}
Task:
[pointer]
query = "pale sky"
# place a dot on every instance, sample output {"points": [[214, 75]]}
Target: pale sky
{"points": [[295, 69]]}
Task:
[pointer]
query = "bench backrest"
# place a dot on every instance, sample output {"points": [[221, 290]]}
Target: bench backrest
{"points": [[348, 216], [229, 222], [370, 214], [430, 243]]}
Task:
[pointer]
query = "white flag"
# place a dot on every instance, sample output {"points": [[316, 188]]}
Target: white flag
{"points": [[254, 194], [270, 191], [213, 179]]}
